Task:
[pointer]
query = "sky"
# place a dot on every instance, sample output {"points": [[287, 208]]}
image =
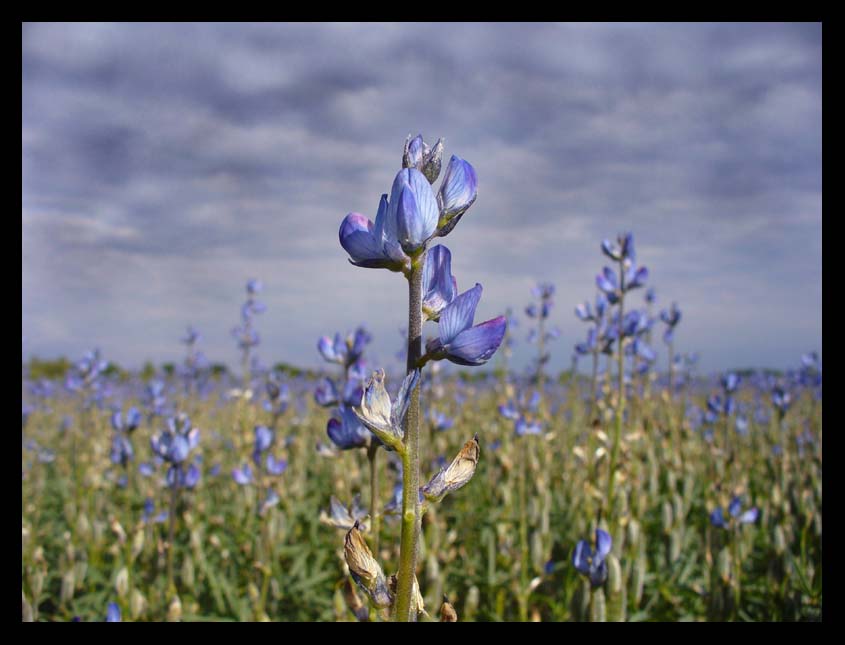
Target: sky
{"points": [[163, 165]]}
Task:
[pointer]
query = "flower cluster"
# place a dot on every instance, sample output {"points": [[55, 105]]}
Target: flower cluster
{"points": [[174, 446], [405, 225]]}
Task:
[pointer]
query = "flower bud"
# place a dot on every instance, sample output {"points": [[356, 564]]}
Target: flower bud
{"points": [[427, 160], [457, 193]]}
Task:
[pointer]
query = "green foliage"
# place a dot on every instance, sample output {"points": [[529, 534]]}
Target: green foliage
{"points": [[84, 541], [48, 369]]}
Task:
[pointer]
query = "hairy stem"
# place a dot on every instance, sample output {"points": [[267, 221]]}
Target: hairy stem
{"points": [[620, 406], [411, 458], [171, 533], [375, 518]]}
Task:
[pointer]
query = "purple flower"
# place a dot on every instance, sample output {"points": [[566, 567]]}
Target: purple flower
{"points": [[622, 249], [609, 284], [243, 475], [457, 193], [121, 449], [276, 466], [524, 427], [367, 244], [592, 564], [113, 613], [175, 443], [412, 210], [460, 341], [263, 438], [440, 421], [270, 501], [325, 394], [439, 285], [133, 420], [781, 399], [509, 410], [347, 432], [590, 345], [177, 477], [730, 382], [717, 517], [543, 290], [635, 277], [671, 316], [584, 312]]}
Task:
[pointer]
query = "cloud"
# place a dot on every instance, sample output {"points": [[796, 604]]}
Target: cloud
{"points": [[164, 164]]}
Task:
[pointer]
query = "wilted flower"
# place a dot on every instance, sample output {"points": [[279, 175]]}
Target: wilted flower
{"points": [[457, 475], [343, 517], [381, 416], [365, 571], [447, 612]]}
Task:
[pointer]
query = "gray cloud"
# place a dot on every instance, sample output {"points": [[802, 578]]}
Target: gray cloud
{"points": [[163, 165]]}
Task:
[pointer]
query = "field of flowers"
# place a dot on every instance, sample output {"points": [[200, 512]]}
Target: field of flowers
{"points": [[628, 491]]}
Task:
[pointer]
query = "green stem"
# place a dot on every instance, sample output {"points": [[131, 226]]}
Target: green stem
{"points": [[671, 370], [171, 533], [620, 407], [523, 534], [375, 518], [593, 390], [541, 341], [737, 571], [411, 459]]}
